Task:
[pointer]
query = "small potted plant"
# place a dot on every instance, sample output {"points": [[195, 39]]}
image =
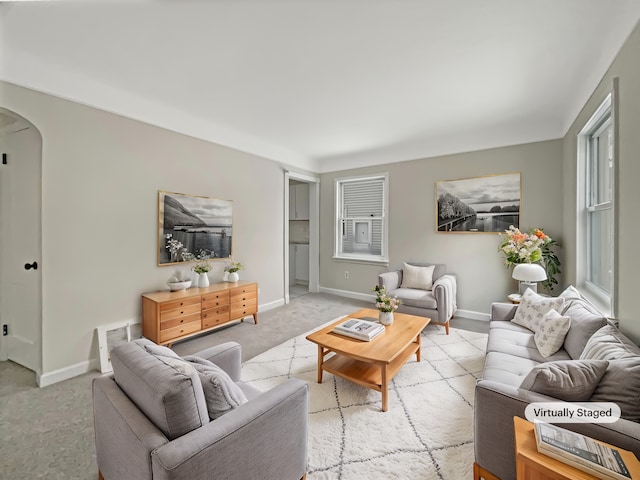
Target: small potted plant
{"points": [[385, 304], [232, 270], [201, 268]]}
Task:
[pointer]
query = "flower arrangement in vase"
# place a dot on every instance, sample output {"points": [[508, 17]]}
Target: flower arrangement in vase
{"points": [[385, 304], [202, 268], [535, 246], [232, 269]]}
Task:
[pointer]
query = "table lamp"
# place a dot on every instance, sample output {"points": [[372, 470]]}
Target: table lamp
{"points": [[528, 274]]}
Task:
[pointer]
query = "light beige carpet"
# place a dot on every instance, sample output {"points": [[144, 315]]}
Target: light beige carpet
{"points": [[427, 433]]}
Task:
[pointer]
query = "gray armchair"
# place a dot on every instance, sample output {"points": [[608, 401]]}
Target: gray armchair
{"points": [[439, 303], [151, 421]]}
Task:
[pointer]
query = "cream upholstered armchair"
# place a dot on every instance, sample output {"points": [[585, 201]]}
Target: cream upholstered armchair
{"points": [[161, 416], [424, 289]]}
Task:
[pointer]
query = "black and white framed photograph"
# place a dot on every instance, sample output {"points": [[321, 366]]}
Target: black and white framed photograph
{"points": [[192, 228], [479, 205]]}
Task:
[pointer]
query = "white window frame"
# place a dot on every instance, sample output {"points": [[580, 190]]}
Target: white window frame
{"points": [[383, 258], [587, 204]]}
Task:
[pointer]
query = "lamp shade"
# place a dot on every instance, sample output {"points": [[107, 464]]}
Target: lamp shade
{"points": [[529, 272]]}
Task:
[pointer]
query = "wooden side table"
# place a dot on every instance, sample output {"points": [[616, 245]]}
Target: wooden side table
{"points": [[533, 465]]}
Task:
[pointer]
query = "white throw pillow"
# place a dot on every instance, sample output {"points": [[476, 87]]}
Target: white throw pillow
{"points": [[533, 307], [417, 277], [551, 331]]}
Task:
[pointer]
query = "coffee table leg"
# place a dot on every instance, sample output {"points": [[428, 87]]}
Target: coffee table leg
{"points": [[418, 352], [320, 360], [384, 388]]}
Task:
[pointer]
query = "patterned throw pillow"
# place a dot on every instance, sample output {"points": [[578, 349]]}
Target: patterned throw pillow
{"points": [[221, 393], [533, 307], [550, 333]]}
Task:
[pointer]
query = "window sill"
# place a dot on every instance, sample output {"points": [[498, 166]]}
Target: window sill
{"points": [[362, 260]]}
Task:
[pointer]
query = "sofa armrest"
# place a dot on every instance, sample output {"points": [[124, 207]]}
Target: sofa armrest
{"points": [[390, 280], [124, 436], [445, 290], [503, 311], [228, 356], [494, 408], [264, 438]]}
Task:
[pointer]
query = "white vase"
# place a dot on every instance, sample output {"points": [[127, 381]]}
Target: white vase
{"points": [[225, 277], [203, 280], [234, 277], [386, 318]]}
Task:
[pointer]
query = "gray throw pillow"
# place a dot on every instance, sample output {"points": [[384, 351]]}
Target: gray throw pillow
{"points": [[609, 343], [585, 321], [533, 307], [568, 380], [221, 393]]}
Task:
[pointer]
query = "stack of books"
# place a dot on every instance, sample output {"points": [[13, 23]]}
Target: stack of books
{"points": [[360, 329], [580, 451]]}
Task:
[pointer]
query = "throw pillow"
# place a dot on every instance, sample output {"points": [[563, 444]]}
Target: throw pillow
{"points": [[550, 333], [609, 343], [621, 385], [221, 393], [417, 277], [585, 321], [533, 307], [568, 380]]}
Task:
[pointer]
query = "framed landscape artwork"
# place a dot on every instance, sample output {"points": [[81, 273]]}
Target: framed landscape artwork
{"points": [[478, 205], [192, 228]]}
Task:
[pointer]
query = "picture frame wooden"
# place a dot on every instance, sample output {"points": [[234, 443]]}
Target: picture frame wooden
{"points": [[193, 227], [487, 204]]}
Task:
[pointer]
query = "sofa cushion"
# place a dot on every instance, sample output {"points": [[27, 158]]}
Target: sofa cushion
{"points": [[533, 307], [512, 339], [608, 343], [568, 380], [550, 333], [508, 369], [414, 297], [417, 277], [166, 389], [221, 393], [585, 321]]}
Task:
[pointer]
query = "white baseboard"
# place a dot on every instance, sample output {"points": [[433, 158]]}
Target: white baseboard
{"points": [[470, 314], [271, 305], [55, 376], [345, 293]]}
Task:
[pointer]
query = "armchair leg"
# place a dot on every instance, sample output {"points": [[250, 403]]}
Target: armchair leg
{"points": [[100, 477]]}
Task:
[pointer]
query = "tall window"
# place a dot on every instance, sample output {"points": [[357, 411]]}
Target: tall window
{"points": [[596, 213], [361, 218]]}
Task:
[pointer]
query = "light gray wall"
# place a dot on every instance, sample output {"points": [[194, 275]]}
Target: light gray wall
{"points": [[482, 276], [626, 67], [101, 176]]}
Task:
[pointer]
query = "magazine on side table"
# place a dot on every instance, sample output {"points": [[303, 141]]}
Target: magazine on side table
{"points": [[360, 329], [580, 451]]}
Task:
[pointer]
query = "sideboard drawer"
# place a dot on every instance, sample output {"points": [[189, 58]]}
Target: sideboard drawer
{"points": [[183, 302], [174, 322], [179, 312], [175, 332], [213, 320], [243, 296], [211, 300]]}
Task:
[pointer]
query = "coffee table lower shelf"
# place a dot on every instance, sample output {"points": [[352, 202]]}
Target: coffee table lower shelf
{"points": [[375, 376]]}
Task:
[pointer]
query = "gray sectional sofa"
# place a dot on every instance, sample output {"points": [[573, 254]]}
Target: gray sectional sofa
{"points": [[596, 362]]}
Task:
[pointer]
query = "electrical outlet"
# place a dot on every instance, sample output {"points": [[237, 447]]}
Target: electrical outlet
{"points": [[5, 330], [346, 274]]}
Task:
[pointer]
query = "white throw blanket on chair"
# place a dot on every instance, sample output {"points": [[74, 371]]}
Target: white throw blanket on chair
{"points": [[450, 284]]}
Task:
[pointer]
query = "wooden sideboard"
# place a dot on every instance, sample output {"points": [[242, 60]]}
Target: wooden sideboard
{"points": [[171, 316]]}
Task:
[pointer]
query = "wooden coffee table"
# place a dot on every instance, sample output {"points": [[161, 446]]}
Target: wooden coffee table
{"points": [[370, 364]]}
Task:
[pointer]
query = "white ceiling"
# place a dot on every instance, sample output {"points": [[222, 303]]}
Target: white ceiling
{"points": [[325, 85]]}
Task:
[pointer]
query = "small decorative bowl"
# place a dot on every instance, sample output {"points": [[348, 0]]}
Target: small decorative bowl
{"points": [[173, 286]]}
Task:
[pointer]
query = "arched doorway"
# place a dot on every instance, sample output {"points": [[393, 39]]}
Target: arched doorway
{"points": [[20, 241]]}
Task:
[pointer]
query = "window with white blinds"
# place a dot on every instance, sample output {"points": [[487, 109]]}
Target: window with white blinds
{"points": [[361, 220]]}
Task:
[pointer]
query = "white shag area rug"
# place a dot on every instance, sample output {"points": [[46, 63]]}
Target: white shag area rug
{"points": [[427, 433]]}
